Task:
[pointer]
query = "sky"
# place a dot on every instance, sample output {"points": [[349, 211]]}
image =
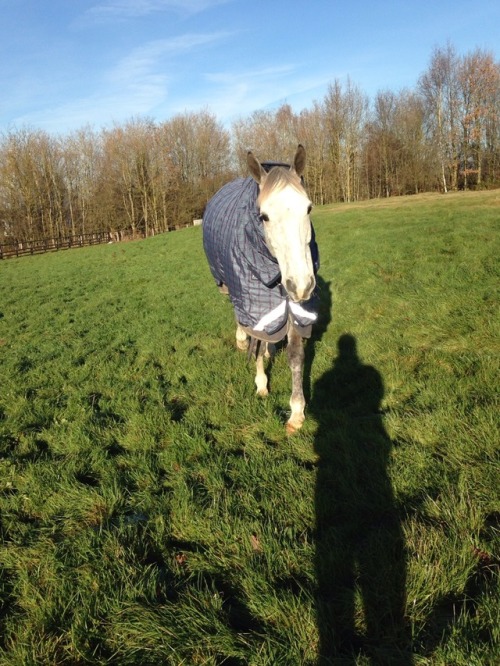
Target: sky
{"points": [[69, 64]]}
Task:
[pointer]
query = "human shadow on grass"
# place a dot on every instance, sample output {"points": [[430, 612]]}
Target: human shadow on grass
{"points": [[360, 552]]}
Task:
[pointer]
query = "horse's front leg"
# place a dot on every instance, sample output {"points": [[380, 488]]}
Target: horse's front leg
{"points": [[295, 351], [241, 338], [260, 376]]}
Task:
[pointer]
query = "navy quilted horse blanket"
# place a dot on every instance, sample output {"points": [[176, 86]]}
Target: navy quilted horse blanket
{"points": [[234, 242]]}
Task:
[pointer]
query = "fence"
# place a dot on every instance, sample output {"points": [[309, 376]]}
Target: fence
{"points": [[22, 248]]}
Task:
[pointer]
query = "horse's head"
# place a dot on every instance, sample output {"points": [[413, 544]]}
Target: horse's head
{"points": [[284, 209]]}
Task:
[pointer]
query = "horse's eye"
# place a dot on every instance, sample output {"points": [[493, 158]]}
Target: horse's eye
{"points": [[263, 217], [309, 209]]}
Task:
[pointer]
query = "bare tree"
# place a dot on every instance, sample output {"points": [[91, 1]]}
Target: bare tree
{"points": [[385, 139], [440, 89], [415, 169], [199, 150], [345, 118], [273, 135], [479, 77], [82, 172], [32, 184], [396, 152], [311, 130]]}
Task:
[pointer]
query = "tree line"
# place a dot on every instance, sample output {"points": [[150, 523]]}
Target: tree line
{"points": [[145, 177]]}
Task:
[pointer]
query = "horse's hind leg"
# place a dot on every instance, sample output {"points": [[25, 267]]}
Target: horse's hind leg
{"points": [[295, 352], [270, 350], [241, 339], [261, 377]]}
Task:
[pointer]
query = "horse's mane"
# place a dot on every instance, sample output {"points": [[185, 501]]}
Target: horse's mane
{"points": [[278, 178]]}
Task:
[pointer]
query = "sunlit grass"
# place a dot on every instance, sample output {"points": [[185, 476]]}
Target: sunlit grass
{"points": [[152, 508]]}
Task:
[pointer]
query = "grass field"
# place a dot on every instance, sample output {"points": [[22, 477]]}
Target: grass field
{"points": [[152, 508]]}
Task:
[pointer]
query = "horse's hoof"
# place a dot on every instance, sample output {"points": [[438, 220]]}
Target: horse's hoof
{"points": [[263, 392], [294, 423]]}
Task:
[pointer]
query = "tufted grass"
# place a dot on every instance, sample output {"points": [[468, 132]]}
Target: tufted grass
{"points": [[152, 509]]}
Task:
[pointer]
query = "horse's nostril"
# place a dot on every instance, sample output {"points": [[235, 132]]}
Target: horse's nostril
{"points": [[299, 293]]}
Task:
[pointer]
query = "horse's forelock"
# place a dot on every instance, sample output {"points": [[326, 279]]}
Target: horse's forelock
{"points": [[279, 178]]}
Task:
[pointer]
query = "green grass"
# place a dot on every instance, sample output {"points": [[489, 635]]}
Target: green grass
{"points": [[152, 508]]}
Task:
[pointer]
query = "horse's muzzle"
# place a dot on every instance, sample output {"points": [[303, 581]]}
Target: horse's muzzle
{"points": [[300, 293]]}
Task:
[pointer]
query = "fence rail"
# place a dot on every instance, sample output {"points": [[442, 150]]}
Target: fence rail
{"points": [[23, 248]]}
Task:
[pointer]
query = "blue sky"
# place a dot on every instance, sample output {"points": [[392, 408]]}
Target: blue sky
{"points": [[65, 64]]}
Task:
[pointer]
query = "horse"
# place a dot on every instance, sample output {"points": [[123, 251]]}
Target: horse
{"points": [[261, 250]]}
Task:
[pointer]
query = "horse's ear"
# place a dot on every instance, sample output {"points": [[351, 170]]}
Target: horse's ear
{"points": [[255, 167], [299, 161]]}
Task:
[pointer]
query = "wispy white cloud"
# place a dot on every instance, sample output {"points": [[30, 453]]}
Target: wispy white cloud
{"points": [[257, 75], [111, 10], [138, 84], [232, 94], [144, 60], [98, 109]]}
